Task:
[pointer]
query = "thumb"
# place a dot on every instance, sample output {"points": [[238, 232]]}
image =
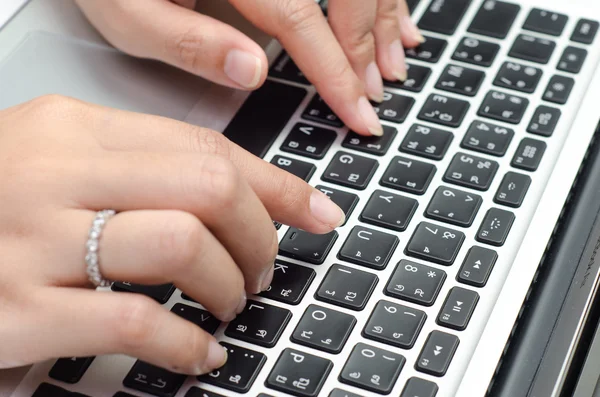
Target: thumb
{"points": [[168, 32]]}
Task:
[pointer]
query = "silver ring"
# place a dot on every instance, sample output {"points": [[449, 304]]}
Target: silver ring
{"points": [[92, 248]]}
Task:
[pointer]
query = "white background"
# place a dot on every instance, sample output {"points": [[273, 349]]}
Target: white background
{"points": [[8, 8]]}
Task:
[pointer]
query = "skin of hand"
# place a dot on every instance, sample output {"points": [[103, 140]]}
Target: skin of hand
{"points": [[192, 208], [344, 57]]}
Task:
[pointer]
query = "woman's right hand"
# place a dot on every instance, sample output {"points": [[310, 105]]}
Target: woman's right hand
{"points": [[192, 208]]}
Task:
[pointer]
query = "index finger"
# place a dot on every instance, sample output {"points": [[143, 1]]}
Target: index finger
{"points": [[303, 30]]}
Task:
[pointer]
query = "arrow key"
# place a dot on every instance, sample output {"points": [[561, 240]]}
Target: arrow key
{"points": [[458, 308]]}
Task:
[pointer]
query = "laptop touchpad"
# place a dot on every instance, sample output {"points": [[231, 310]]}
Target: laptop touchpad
{"points": [[51, 64]]}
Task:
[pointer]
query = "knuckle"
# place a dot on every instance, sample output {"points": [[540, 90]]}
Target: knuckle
{"points": [[388, 9], [187, 48], [207, 141], [52, 104], [289, 192], [297, 16], [221, 181], [135, 328], [181, 240], [360, 44]]}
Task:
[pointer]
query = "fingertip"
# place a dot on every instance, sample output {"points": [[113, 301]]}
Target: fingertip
{"points": [[244, 68], [325, 211], [216, 357], [410, 33], [369, 117]]}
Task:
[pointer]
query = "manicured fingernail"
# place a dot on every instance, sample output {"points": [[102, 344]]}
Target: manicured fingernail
{"points": [[369, 117], [374, 83], [243, 68], [267, 279], [398, 60], [242, 304], [326, 211], [411, 29], [215, 358]]}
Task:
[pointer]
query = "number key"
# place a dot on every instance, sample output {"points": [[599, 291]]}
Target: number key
{"points": [[453, 206], [414, 282], [503, 107], [371, 368], [435, 243], [471, 171], [394, 324], [488, 138], [516, 76]]}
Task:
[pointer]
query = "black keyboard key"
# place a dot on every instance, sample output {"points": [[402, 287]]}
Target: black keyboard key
{"points": [[428, 142], [453, 206], [503, 107], [494, 19], [299, 373], [394, 324], [572, 60], [317, 110], [532, 49], [444, 110], [547, 22], [544, 121], [201, 318], [460, 80], [346, 201], [414, 282], [518, 77], [263, 116], [558, 90], [512, 189], [471, 171], [443, 16], [342, 393], [284, 68], [488, 138], [394, 108], [308, 247], [389, 210], [70, 370], [377, 145], [49, 390], [368, 247], [429, 51], [585, 31], [495, 227], [198, 392], [529, 154], [277, 225], [437, 354], [299, 168], [475, 51], [417, 387], [458, 308], [350, 170], [408, 175], [416, 78], [412, 4], [309, 141], [160, 293], [290, 283], [477, 266], [150, 379], [324, 329], [240, 370], [372, 368], [437, 244], [259, 323], [347, 287]]}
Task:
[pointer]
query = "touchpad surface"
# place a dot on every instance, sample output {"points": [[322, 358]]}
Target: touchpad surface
{"points": [[51, 64]]}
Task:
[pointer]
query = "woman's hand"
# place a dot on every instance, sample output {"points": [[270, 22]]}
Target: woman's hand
{"points": [[193, 209], [344, 59]]}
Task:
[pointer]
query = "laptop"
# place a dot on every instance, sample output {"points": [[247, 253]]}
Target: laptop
{"points": [[467, 265]]}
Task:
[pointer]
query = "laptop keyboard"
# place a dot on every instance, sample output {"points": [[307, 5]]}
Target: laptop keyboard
{"points": [[385, 302]]}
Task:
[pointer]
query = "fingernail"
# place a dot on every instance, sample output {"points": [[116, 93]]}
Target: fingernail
{"points": [[398, 60], [242, 304], [326, 211], [411, 29], [243, 68], [374, 83], [369, 117], [215, 358], [267, 279]]}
